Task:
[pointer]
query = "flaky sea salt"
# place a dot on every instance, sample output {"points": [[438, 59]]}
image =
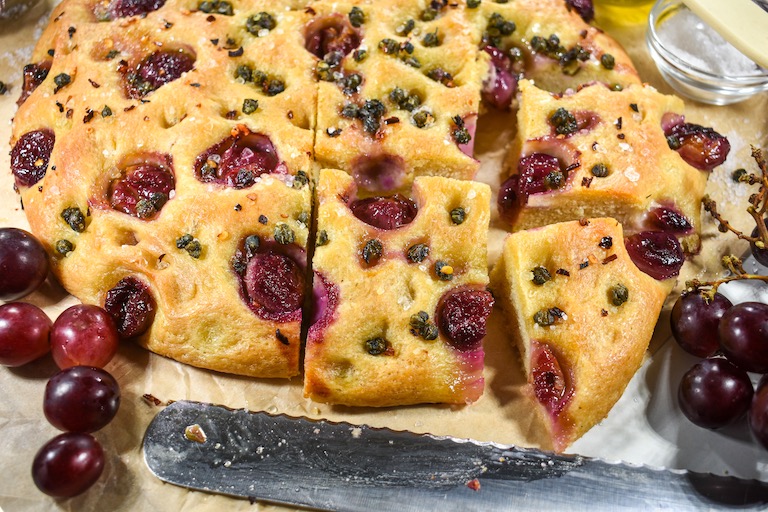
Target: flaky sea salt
{"points": [[700, 46]]}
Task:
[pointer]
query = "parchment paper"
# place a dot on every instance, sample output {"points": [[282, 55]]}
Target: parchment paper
{"points": [[644, 427]]}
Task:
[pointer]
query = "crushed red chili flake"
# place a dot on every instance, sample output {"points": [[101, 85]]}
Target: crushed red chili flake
{"points": [[610, 258], [290, 114], [69, 113], [128, 109], [152, 399], [215, 42], [88, 115], [282, 338], [594, 146], [94, 84], [71, 31], [584, 222], [474, 484], [586, 181], [619, 123], [392, 120], [620, 136], [562, 272], [236, 53], [633, 106], [603, 312], [583, 264], [210, 19], [61, 107]]}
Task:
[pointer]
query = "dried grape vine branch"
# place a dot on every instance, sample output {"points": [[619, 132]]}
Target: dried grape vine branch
{"points": [[758, 206]]}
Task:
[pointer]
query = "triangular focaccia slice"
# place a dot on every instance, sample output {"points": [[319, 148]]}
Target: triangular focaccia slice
{"points": [[584, 315]]}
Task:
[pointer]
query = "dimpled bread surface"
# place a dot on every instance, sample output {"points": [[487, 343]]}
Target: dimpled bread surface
{"points": [[379, 300], [173, 124], [625, 135], [596, 344]]}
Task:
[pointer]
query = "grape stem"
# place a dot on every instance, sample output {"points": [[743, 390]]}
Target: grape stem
{"points": [[758, 205], [757, 208]]}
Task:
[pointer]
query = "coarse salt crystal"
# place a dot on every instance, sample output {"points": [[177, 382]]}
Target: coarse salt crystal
{"points": [[631, 174], [472, 194]]}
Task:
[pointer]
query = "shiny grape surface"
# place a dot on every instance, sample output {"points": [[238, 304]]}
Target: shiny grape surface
{"points": [[23, 263], [694, 322], [68, 465], [81, 399], [758, 413], [743, 334], [84, 335], [715, 393], [24, 331]]}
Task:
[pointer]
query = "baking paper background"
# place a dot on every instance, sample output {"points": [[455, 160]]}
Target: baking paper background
{"points": [[644, 427]]}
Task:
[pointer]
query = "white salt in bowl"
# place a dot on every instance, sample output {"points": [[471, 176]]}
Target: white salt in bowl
{"points": [[696, 61]]}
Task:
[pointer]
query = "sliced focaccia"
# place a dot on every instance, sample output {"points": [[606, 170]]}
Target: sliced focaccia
{"points": [[164, 141], [399, 90], [582, 315], [400, 290], [596, 153]]}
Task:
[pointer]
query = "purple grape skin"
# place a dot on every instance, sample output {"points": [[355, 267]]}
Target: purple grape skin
{"points": [[126, 8], [715, 393], [34, 74], [30, 156], [385, 212], [743, 335], [131, 306], [462, 317], [274, 284], [701, 147], [501, 85], [156, 70], [23, 263], [694, 322], [243, 158], [532, 171], [670, 219], [24, 331], [332, 33], [758, 413], [84, 335], [656, 253], [584, 8], [68, 465], [81, 399], [141, 182]]}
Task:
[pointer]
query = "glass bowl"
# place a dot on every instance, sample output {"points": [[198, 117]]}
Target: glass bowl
{"points": [[696, 61]]}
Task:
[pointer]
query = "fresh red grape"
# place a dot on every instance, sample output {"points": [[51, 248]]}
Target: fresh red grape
{"points": [[23, 263], [81, 399], [694, 322], [68, 465], [743, 334], [714, 393], [758, 413], [84, 335], [24, 330]]}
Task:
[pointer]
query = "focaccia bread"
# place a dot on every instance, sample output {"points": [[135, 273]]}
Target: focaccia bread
{"points": [[401, 284], [596, 153], [156, 145], [400, 97], [582, 314]]}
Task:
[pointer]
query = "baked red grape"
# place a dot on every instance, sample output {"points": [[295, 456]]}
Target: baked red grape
{"points": [[24, 330], [463, 315], [656, 253], [131, 306], [23, 263], [744, 336], [715, 393], [156, 70], [758, 413], [694, 322], [551, 385], [274, 284], [701, 147], [584, 8], [501, 85], [385, 212], [81, 399], [30, 156], [84, 335], [34, 74], [126, 8], [68, 465], [330, 33]]}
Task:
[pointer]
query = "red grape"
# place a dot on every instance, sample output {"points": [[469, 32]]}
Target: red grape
{"points": [[714, 393], [68, 465], [744, 336], [760, 254], [758, 413], [694, 322], [23, 263], [84, 335], [24, 330], [81, 399]]}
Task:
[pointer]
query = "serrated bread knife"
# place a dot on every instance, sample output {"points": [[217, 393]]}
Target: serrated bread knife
{"points": [[339, 466]]}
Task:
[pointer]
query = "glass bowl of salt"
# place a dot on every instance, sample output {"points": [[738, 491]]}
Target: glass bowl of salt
{"points": [[697, 61]]}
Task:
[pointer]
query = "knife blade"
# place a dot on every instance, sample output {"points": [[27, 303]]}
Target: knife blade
{"points": [[339, 466]]}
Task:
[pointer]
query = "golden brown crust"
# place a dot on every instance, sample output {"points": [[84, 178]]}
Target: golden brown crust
{"points": [[599, 345], [644, 172], [379, 301]]}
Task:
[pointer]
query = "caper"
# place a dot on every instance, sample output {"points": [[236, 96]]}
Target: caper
{"points": [[541, 275], [619, 295], [75, 218], [458, 215], [417, 253], [372, 251], [284, 234]]}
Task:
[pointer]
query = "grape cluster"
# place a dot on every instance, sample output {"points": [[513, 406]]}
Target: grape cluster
{"points": [[718, 391], [81, 398], [734, 339]]}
